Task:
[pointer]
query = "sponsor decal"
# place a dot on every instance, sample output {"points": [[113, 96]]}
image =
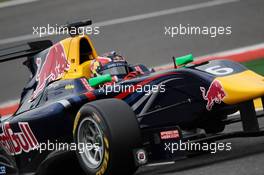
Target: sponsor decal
{"points": [[18, 142], [173, 134], [215, 94], [53, 68], [69, 87]]}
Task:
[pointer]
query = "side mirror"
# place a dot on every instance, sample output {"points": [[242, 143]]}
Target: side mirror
{"points": [[100, 80], [179, 61]]}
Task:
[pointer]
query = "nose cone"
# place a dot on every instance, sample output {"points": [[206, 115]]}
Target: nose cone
{"points": [[242, 86]]}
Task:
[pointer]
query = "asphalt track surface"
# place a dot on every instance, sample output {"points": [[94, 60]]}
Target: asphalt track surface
{"points": [[245, 157], [143, 41]]}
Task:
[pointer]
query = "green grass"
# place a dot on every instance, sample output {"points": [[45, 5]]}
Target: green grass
{"points": [[256, 65], [3, 0]]}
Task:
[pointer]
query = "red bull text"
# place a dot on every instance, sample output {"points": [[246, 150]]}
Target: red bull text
{"points": [[16, 142]]}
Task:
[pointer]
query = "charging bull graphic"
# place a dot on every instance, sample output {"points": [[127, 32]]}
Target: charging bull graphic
{"points": [[215, 94], [53, 68]]}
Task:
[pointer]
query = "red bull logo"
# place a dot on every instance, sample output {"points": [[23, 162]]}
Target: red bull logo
{"points": [[215, 94], [53, 68], [16, 142]]}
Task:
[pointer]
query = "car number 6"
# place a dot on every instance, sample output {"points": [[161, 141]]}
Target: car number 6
{"points": [[218, 70]]}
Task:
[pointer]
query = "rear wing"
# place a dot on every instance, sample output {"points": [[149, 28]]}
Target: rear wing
{"points": [[23, 50], [76, 25], [32, 48]]}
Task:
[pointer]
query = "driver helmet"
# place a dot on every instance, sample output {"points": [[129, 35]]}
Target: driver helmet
{"points": [[110, 63]]}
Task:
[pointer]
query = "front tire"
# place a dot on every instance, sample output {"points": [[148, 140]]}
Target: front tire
{"points": [[111, 128]]}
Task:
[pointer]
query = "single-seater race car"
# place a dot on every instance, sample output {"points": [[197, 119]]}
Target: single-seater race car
{"points": [[71, 121]]}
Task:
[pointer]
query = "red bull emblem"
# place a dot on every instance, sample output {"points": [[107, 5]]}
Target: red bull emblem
{"points": [[16, 142], [215, 94], [52, 69]]}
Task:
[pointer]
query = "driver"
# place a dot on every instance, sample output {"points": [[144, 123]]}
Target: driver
{"points": [[113, 64]]}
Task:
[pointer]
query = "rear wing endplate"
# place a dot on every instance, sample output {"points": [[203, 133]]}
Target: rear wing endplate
{"points": [[23, 50]]}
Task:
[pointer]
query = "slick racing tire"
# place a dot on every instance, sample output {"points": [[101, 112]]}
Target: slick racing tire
{"points": [[111, 127]]}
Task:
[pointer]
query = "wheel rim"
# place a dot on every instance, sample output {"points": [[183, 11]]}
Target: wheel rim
{"points": [[89, 133]]}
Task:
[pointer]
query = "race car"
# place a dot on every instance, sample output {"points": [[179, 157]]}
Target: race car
{"points": [[69, 121]]}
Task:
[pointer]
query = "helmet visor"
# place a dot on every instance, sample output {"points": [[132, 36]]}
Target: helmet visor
{"points": [[120, 70]]}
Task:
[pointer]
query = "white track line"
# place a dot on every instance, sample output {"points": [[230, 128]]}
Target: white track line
{"points": [[14, 3], [237, 50], [135, 17], [18, 39], [9, 103], [226, 53], [165, 12]]}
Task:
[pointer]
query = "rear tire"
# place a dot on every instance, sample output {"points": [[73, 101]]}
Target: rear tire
{"points": [[213, 124], [214, 127], [111, 125]]}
